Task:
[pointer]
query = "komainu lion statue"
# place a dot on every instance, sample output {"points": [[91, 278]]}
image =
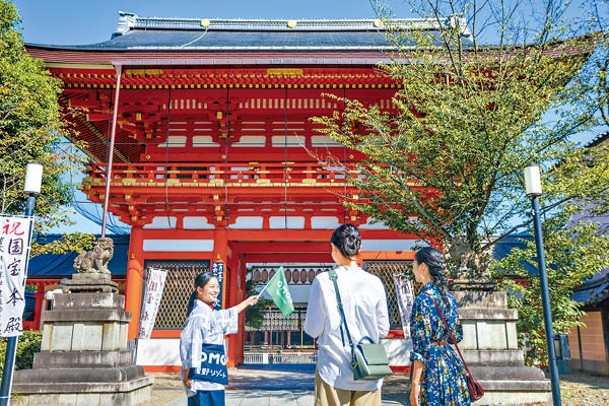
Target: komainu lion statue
{"points": [[96, 260]]}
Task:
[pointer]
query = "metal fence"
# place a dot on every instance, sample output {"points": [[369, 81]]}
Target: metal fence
{"points": [[280, 358]]}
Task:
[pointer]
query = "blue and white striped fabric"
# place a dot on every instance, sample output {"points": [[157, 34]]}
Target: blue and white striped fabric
{"points": [[204, 325]]}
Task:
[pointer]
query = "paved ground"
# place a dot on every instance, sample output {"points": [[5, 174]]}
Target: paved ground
{"points": [[257, 387], [268, 387]]}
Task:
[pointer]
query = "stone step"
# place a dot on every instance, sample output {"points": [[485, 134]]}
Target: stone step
{"points": [[82, 359], [494, 357], [481, 299], [89, 314], [47, 376], [516, 386], [133, 392], [476, 313], [511, 376], [88, 300]]}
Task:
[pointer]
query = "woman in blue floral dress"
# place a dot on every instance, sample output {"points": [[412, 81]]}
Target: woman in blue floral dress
{"points": [[438, 375]]}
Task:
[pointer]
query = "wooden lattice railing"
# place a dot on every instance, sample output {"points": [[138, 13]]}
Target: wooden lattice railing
{"points": [[220, 175], [386, 270]]}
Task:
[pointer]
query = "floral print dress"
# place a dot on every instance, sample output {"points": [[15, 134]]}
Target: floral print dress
{"points": [[443, 376]]}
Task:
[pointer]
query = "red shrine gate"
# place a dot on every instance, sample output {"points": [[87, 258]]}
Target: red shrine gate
{"points": [[215, 158]]}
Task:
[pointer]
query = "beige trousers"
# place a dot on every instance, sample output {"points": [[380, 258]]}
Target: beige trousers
{"points": [[327, 395]]}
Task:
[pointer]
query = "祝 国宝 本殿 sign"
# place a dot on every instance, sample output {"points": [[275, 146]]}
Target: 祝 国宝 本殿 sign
{"points": [[152, 301], [14, 252]]}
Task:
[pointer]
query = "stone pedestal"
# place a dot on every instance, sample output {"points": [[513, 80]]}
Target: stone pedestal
{"points": [[84, 359], [490, 348]]}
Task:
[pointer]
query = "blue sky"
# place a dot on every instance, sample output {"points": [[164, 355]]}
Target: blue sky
{"points": [[90, 21], [72, 22], [76, 22]]}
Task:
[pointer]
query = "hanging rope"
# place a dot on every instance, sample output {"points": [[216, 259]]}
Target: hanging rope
{"points": [[345, 218], [285, 159], [110, 156], [226, 167], [169, 101], [196, 39]]}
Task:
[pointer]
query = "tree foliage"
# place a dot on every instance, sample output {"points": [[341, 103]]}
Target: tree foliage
{"points": [[576, 247], [474, 109], [574, 252], [29, 344], [595, 16], [447, 165], [31, 130]]}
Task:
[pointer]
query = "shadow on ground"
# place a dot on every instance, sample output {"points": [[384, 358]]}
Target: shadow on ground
{"points": [[299, 379], [294, 377], [293, 385]]}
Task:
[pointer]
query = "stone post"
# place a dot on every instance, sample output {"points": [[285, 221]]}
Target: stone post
{"points": [[490, 347], [85, 358]]}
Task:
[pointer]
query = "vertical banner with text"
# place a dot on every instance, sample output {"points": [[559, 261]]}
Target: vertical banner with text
{"points": [[405, 296], [217, 269], [152, 301], [15, 233]]}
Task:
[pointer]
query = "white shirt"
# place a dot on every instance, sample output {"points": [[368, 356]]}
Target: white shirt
{"points": [[204, 325], [365, 306]]}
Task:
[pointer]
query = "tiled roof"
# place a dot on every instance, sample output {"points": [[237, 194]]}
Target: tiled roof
{"points": [[593, 291], [598, 140], [153, 33]]}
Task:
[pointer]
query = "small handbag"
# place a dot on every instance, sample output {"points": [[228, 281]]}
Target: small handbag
{"points": [[368, 360], [476, 391]]}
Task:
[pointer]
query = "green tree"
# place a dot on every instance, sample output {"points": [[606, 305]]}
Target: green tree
{"points": [[29, 344], [492, 93], [595, 16], [574, 252], [576, 248], [448, 165], [32, 130]]}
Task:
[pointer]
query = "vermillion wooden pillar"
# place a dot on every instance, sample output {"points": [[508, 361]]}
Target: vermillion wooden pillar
{"points": [[221, 254], [236, 294], [133, 294], [135, 282], [39, 296], [242, 292]]}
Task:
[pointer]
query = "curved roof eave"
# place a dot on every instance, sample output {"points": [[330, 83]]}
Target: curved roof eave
{"points": [[105, 59], [85, 48]]}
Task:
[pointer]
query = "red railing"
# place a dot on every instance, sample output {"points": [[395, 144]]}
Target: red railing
{"points": [[233, 174]]}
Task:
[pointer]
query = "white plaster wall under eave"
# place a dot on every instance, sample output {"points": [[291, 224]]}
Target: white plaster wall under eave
{"points": [[161, 223], [167, 245], [197, 223], [391, 245]]}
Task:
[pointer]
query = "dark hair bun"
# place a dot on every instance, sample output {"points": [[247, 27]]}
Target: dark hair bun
{"points": [[347, 239]]}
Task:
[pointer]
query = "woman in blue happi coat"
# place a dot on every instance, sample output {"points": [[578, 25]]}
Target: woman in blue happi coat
{"points": [[438, 376], [206, 326]]}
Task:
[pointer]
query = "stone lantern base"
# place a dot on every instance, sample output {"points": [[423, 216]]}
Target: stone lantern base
{"points": [[84, 357], [490, 348]]}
